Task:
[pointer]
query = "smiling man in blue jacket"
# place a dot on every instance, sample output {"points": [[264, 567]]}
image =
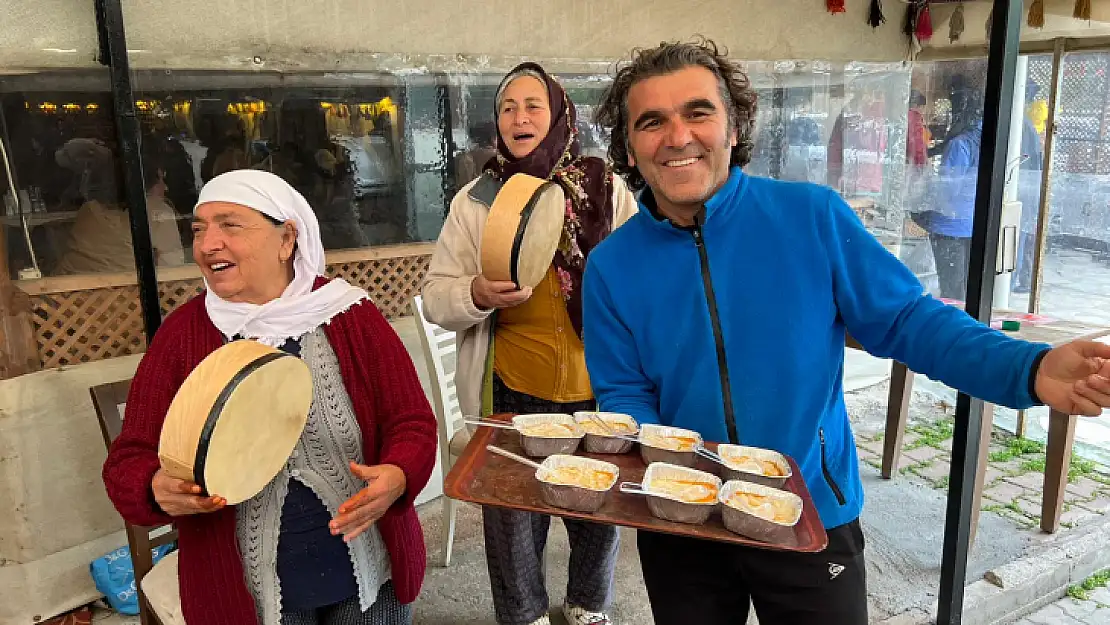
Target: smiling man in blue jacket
{"points": [[722, 307]]}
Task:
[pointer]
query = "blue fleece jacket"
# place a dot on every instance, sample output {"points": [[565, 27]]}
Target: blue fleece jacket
{"points": [[955, 184], [791, 268]]}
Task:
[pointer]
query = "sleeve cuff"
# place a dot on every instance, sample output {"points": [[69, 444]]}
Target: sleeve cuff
{"points": [[466, 301], [1033, 369]]}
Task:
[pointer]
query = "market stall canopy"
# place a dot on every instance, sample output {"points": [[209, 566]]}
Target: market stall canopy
{"points": [[1058, 23]]}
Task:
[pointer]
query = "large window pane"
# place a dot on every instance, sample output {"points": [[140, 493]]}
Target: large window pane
{"points": [[338, 139], [1076, 274], [62, 145]]}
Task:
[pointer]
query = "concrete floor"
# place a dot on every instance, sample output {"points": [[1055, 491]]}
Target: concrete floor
{"points": [[459, 594]]}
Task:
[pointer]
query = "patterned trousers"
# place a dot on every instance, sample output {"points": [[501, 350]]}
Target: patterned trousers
{"points": [[385, 611], [515, 542]]}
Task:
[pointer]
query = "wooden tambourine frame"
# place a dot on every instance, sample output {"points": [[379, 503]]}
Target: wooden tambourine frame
{"points": [[236, 419], [523, 230]]}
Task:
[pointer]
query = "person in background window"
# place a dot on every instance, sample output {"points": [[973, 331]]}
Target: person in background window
{"points": [[227, 151], [1029, 193], [100, 239], [801, 133], [917, 153], [948, 221], [524, 346], [483, 147], [1037, 111]]}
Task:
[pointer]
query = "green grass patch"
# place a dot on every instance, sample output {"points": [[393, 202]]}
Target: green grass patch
{"points": [[1033, 464], [1082, 591], [933, 434], [1016, 448], [1079, 467]]}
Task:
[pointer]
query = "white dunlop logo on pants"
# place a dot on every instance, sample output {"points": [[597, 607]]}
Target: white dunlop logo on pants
{"points": [[835, 569]]}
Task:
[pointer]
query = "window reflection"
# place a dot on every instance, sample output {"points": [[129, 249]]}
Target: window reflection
{"points": [[342, 146], [62, 146]]}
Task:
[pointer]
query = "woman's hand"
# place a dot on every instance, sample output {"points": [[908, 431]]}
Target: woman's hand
{"points": [[488, 295], [180, 498], [385, 485]]}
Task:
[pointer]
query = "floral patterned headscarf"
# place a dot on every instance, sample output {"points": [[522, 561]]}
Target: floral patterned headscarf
{"points": [[587, 183]]}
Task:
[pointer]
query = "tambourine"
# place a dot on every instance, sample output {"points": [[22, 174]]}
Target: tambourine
{"points": [[237, 418], [522, 231]]}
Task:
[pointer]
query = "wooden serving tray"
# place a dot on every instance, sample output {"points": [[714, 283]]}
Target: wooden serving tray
{"points": [[482, 477]]}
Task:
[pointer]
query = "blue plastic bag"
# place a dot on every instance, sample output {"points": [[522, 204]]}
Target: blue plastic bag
{"points": [[114, 576]]}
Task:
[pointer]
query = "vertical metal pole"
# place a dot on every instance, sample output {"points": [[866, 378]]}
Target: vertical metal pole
{"points": [[1002, 62], [1046, 176], [449, 184], [113, 53], [778, 101]]}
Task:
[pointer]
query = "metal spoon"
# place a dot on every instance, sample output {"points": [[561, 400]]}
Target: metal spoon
{"points": [[520, 459]]}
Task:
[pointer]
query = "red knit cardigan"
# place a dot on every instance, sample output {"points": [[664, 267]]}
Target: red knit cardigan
{"points": [[398, 427]]}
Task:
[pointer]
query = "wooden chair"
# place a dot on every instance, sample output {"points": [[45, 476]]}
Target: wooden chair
{"points": [[439, 349], [109, 400], [897, 411]]}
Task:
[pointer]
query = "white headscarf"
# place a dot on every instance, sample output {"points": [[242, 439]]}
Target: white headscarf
{"points": [[299, 310]]}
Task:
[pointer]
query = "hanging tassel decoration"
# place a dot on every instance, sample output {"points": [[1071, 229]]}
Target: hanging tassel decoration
{"points": [[924, 22], [956, 24], [1082, 10], [909, 28], [1036, 14], [835, 6], [875, 14]]}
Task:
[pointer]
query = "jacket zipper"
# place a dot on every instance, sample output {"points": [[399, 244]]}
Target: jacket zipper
{"points": [[718, 335], [828, 474]]}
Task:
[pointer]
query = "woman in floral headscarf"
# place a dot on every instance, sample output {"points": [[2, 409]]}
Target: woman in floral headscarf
{"points": [[521, 349]]}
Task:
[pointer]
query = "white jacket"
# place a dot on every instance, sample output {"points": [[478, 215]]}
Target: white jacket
{"points": [[446, 292]]}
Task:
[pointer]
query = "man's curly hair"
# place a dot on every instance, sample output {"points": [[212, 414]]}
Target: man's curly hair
{"points": [[666, 58]]}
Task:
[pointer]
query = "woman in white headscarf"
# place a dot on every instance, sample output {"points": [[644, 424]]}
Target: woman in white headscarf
{"points": [[334, 539]]}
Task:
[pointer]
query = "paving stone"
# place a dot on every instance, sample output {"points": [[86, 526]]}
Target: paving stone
{"points": [[938, 470], [1016, 518], [1100, 504], [923, 454], [1101, 595], [1098, 617], [1072, 498], [1004, 491], [1076, 516], [1052, 614], [1083, 487], [1010, 466], [1078, 610], [874, 447], [865, 455], [1029, 507], [1032, 481]]}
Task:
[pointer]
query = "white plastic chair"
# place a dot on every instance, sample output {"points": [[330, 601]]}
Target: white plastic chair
{"points": [[439, 352]]}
